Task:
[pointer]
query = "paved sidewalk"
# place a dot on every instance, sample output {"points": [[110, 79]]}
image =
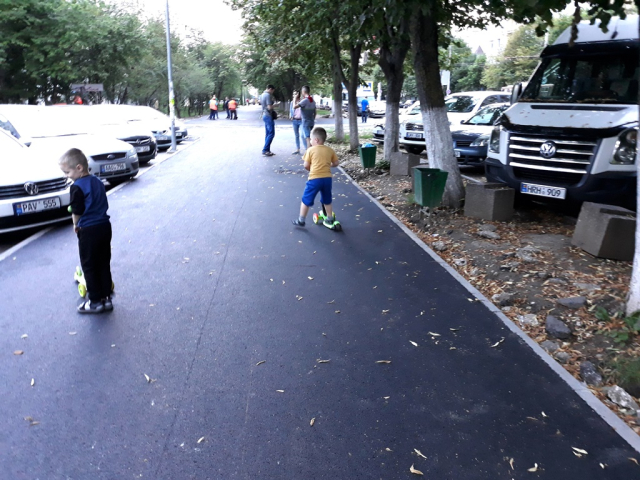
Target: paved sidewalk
{"points": [[212, 280]]}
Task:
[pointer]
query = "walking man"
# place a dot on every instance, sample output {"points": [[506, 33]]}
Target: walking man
{"points": [[365, 109], [233, 105], [213, 107], [225, 105], [266, 101]]}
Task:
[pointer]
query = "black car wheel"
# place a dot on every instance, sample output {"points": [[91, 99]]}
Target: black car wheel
{"points": [[414, 149]]}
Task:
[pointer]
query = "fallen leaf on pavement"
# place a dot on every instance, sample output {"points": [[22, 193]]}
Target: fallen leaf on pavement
{"points": [[33, 382], [148, 378], [413, 343], [313, 420], [579, 450], [388, 449], [634, 461], [419, 453], [72, 333], [280, 391], [414, 471], [260, 362], [434, 334], [310, 278], [386, 398], [332, 301], [337, 311], [534, 468], [24, 336], [545, 415], [383, 361], [497, 343], [511, 463], [200, 440], [18, 352], [322, 361]]}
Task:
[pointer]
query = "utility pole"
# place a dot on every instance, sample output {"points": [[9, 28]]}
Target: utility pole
{"points": [[172, 100]]}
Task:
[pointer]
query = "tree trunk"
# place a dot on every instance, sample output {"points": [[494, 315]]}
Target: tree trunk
{"points": [[633, 301], [352, 88], [424, 42], [337, 104], [391, 62]]}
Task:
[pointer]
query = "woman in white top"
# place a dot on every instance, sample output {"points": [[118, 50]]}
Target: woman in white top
{"points": [[296, 117]]}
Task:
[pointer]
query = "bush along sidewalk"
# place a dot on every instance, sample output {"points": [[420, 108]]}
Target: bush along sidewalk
{"points": [[563, 298]]}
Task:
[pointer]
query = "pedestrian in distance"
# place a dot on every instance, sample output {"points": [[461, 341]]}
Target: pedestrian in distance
{"points": [[233, 106], [364, 107], [308, 111], [213, 107], [296, 118], [267, 102], [225, 105], [91, 223], [318, 160]]}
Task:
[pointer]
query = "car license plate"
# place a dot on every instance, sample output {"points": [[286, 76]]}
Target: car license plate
{"points": [[113, 167], [414, 135], [543, 190], [142, 149], [457, 152], [34, 206]]}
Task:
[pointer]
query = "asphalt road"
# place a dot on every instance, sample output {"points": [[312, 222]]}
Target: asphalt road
{"points": [[229, 310]]}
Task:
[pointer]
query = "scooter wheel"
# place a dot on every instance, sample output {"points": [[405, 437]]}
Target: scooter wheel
{"points": [[337, 227], [316, 218], [82, 290]]}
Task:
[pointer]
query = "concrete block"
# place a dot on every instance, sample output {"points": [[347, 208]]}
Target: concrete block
{"points": [[403, 163], [606, 231], [489, 201]]}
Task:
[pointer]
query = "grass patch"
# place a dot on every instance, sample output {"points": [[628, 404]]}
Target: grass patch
{"points": [[626, 372]]}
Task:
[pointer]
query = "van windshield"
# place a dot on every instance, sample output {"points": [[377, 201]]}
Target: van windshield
{"points": [[598, 78]]}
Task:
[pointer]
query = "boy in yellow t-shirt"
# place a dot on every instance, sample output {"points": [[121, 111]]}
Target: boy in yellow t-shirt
{"points": [[318, 160]]}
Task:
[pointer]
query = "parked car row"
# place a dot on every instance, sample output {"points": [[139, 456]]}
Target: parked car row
{"points": [[115, 138], [471, 118]]}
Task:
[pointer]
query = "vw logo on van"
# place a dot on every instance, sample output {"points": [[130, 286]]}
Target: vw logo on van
{"points": [[548, 149], [31, 188]]}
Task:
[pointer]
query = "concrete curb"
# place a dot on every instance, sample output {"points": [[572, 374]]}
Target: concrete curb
{"points": [[580, 388]]}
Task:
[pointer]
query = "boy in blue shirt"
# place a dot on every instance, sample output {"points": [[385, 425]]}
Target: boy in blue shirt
{"points": [[91, 223]]}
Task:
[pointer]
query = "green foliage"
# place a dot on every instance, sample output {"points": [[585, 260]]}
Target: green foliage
{"points": [[629, 329], [383, 164], [626, 372], [517, 61]]}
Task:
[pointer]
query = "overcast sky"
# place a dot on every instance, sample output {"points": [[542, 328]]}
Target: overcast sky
{"points": [[213, 17]]}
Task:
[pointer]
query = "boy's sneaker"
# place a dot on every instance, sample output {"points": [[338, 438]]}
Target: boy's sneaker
{"points": [[298, 223], [108, 304], [89, 307], [328, 222]]}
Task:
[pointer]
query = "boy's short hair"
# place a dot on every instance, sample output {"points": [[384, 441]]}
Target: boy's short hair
{"points": [[306, 88], [319, 133], [270, 87], [74, 157]]}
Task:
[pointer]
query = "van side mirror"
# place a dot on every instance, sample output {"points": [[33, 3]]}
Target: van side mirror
{"points": [[516, 91]]}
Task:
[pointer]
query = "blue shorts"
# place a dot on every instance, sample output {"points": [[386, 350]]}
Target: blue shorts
{"points": [[322, 185], [307, 126]]}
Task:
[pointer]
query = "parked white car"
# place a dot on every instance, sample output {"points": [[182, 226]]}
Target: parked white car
{"points": [[50, 135], [33, 190], [460, 107], [159, 123], [408, 113]]}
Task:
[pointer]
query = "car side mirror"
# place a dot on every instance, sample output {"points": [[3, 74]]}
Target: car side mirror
{"points": [[463, 121], [516, 92]]}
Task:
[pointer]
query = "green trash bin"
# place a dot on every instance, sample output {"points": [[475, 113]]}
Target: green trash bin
{"points": [[367, 155], [428, 185]]}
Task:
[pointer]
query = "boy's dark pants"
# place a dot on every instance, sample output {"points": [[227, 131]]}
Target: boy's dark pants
{"points": [[94, 243]]}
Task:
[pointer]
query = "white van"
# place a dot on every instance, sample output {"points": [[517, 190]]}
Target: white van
{"points": [[571, 135]]}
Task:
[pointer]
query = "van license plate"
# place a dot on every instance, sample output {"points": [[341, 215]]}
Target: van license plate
{"points": [[146, 148], [113, 167], [543, 190], [414, 135], [35, 206]]}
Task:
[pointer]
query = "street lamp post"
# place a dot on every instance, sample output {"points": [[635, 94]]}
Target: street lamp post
{"points": [[172, 100]]}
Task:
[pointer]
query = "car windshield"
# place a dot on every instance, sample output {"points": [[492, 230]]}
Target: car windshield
{"points": [[597, 78], [461, 103], [10, 146], [487, 116]]}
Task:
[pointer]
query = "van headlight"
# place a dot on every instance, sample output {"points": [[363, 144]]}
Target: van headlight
{"points": [[481, 141], [494, 140], [626, 147]]}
